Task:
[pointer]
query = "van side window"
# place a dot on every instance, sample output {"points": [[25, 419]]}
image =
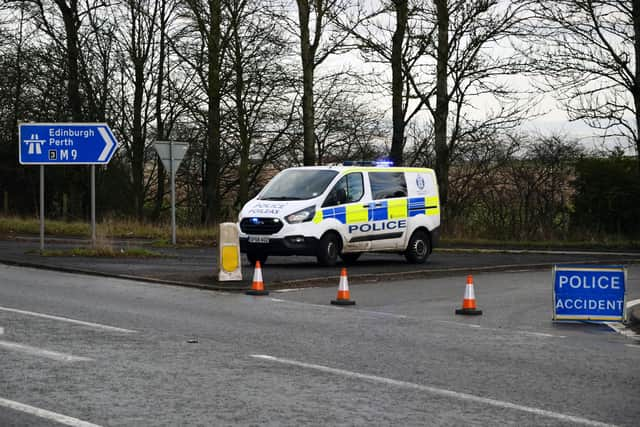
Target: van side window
{"points": [[387, 185], [350, 188]]}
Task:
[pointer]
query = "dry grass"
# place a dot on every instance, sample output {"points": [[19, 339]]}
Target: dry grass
{"points": [[603, 243], [15, 225], [108, 252], [108, 230]]}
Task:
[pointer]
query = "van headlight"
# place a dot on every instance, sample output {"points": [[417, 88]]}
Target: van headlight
{"points": [[304, 215]]}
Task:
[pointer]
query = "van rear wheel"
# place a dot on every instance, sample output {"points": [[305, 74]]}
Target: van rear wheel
{"points": [[329, 248], [419, 248]]}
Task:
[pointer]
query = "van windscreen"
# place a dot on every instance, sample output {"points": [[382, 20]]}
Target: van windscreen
{"points": [[298, 184]]}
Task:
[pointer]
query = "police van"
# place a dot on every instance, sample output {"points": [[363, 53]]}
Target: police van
{"points": [[343, 211]]}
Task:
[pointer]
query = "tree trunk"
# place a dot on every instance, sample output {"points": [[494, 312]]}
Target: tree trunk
{"points": [[159, 121], [18, 82], [137, 141], [442, 101], [69, 17], [397, 82], [76, 178], [212, 190], [306, 53], [245, 141], [636, 87]]}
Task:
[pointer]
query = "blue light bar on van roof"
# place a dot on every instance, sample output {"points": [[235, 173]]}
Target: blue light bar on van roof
{"points": [[384, 163], [378, 163]]}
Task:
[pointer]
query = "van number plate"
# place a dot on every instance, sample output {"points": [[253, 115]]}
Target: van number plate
{"points": [[258, 239]]}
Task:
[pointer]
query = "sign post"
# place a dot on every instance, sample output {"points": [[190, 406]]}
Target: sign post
{"points": [[41, 208], [66, 144], [93, 206], [171, 153], [589, 292]]}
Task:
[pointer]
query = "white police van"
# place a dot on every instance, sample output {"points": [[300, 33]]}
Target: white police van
{"points": [[343, 211]]}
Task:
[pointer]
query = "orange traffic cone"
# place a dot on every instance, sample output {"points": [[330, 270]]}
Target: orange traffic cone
{"points": [[469, 301], [343, 297], [257, 287]]}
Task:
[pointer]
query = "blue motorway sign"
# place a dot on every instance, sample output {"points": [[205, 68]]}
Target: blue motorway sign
{"points": [[583, 292], [66, 143]]}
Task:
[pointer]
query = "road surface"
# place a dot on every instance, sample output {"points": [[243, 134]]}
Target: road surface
{"points": [[80, 349]]}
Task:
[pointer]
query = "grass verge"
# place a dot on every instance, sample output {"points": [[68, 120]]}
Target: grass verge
{"points": [[590, 244], [110, 229], [106, 252]]}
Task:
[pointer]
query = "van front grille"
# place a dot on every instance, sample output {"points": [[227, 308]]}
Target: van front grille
{"points": [[261, 225]]}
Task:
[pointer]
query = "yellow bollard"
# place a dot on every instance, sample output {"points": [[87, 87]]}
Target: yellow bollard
{"points": [[229, 252]]}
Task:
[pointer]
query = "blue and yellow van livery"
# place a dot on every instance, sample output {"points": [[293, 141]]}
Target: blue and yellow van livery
{"points": [[343, 211]]}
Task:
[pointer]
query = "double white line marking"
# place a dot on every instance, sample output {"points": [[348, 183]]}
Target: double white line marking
{"points": [[49, 354], [53, 355], [68, 320], [43, 413]]}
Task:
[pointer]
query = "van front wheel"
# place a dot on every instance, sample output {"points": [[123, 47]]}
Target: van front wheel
{"points": [[419, 248], [328, 249]]}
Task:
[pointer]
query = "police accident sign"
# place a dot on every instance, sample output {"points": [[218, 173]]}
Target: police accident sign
{"points": [[582, 292]]}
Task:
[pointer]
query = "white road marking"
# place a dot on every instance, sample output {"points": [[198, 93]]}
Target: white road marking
{"points": [[484, 328], [541, 334], [623, 330], [633, 346], [402, 316], [329, 307], [436, 391], [68, 320], [632, 303], [35, 351], [333, 307], [382, 313], [43, 413], [450, 322]]}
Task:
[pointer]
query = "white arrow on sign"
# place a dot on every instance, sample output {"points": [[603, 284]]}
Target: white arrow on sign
{"points": [[109, 143]]}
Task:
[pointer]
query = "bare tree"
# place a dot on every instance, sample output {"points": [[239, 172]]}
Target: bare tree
{"points": [[443, 59], [207, 17], [138, 41], [70, 13], [528, 196], [260, 85], [591, 52], [390, 33], [319, 38], [163, 18], [346, 127], [468, 70]]}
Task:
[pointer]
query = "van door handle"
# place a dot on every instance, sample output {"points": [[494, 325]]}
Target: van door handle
{"points": [[373, 205]]}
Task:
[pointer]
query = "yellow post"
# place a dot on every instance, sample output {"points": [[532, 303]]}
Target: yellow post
{"points": [[229, 267]]}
